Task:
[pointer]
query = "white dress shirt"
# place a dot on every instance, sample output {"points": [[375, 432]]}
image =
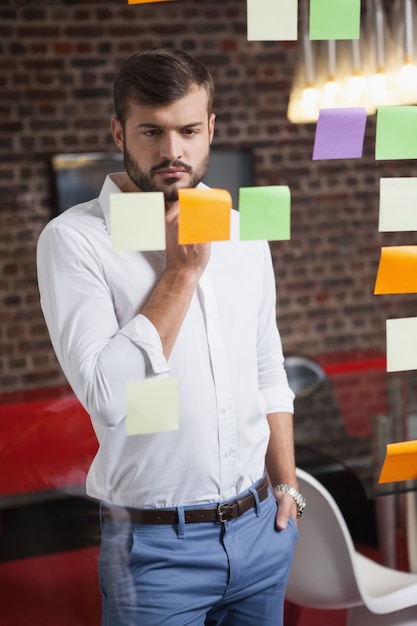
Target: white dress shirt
{"points": [[227, 357]]}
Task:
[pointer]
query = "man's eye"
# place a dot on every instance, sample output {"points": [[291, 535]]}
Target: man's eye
{"points": [[150, 133], [189, 131]]}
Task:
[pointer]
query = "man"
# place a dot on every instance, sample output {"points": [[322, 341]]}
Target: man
{"points": [[191, 534]]}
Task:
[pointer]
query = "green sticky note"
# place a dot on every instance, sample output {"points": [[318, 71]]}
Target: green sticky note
{"points": [[152, 405], [335, 19], [137, 221], [401, 344], [396, 132], [397, 204], [272, 20], [265, 213]]}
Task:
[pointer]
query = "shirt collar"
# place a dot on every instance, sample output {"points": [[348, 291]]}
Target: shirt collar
{"points": [[112, 184]]}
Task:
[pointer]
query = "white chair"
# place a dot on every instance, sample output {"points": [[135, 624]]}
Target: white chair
{"points": [[304, 374], [328, 573], [411, 529]]}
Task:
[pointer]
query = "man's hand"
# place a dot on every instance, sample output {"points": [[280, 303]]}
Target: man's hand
{"points": [[287, 508], [193, 257]]}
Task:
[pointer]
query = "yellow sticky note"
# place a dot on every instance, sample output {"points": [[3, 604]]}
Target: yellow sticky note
{"points": [[152, 405], [401, 336], [204, 215], [397, 204], [137, 221], [400, 462], [397, 271], [272, 20]]}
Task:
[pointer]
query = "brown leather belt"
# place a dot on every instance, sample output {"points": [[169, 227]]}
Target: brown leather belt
{"points": [[221, 513]]}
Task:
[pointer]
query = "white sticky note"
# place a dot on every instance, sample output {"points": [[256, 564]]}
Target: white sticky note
{"points": [[137, 221], [402, 344], [398, 204], [272, 20], [152, 405]]}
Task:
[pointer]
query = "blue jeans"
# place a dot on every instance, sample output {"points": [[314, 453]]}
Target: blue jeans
{"points": [[208, 574]]}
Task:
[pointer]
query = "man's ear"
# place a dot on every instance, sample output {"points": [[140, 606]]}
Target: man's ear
{"points": [[211, 123], [117, 132]]}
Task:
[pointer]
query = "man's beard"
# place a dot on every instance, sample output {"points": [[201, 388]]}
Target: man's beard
{"points": [[145, 182]]}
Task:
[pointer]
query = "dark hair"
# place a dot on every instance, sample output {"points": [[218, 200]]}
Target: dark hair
{"points": [[157, 78]]}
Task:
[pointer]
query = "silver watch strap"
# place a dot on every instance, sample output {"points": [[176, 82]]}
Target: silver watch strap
{"points": [[292, 491]]}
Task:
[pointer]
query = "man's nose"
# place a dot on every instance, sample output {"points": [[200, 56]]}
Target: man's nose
{"points": [[171, 147]]}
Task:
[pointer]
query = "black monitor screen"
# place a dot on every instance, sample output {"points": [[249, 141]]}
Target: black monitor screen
{"points": [[79, 177]]}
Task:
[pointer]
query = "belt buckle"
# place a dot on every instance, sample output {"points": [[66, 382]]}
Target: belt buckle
{"points": [[220, 514], [225, 512]]}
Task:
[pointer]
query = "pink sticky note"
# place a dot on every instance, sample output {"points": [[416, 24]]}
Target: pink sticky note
{"points": [[340, 133]]}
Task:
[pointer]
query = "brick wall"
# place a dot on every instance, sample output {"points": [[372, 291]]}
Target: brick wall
{"points": [[58, 60]]}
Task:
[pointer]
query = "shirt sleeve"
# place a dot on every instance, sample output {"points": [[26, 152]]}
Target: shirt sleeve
{"points": [[273, 382], [96, 355]]}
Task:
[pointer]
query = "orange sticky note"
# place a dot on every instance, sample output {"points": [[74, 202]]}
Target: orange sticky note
{"points": [[204, 215], [397, 272], [145, 1], [400, 462]]}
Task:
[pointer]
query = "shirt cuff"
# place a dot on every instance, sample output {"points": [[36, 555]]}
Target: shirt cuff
{"points": [[143, 333], [278, 400]]}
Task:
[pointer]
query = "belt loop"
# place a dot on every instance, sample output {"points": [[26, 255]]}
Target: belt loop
{"points": [[181, 522], [101, 516], [257, 503]]}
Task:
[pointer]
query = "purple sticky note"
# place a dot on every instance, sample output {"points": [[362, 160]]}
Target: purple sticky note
{"points": [[340, 133]]}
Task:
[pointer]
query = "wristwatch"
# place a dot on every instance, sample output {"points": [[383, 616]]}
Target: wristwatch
{"points": [[292, 491]]}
